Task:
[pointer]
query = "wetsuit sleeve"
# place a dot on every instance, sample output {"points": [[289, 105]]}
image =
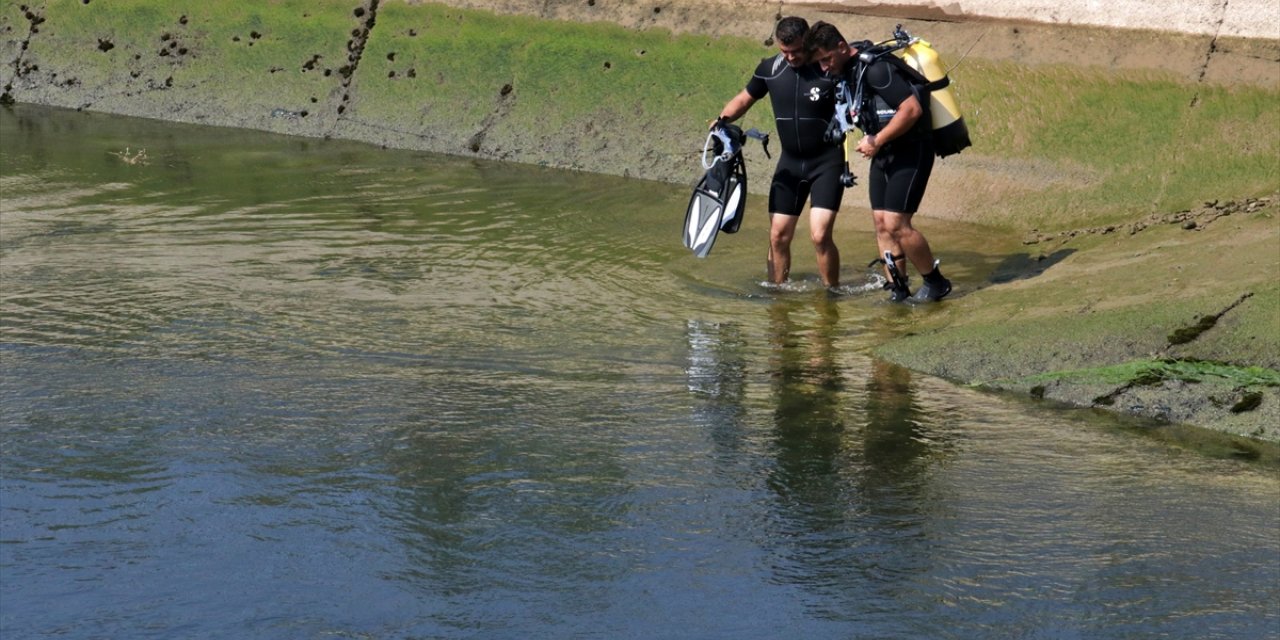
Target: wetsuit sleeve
{"points": [[887, 83], [757, 86]]}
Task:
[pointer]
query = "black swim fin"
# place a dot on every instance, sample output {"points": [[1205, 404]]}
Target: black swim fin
{"points": [[703, 218], [735, 200], [720, 196]]}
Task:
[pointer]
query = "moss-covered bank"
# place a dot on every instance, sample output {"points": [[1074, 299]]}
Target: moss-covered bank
{"points": [[1142, 167]]}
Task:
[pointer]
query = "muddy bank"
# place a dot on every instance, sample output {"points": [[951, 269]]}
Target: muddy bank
{"points": [[1173, 317], [1084, 314]]}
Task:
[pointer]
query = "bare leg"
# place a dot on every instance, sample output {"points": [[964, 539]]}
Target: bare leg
{"points": [[782, 228], [895, 234], [821, 224]]}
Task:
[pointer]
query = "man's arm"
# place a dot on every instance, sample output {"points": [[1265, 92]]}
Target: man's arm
{"points": [[908, 113], [737, 106]]}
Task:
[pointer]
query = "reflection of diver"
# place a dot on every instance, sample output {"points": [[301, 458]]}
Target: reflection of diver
{"points": [[807, 387], [806, 379], [813, 405], [850, 499], [717, 371], [894, 446]]}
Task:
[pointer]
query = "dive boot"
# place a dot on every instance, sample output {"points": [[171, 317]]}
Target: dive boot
{"points": [[935, 287]]}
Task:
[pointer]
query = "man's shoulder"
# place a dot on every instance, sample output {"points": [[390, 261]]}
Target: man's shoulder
{"points": [[772, 67], [883, 71]]}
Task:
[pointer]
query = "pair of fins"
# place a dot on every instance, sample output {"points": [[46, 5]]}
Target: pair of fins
{"points": [[720, 195]]}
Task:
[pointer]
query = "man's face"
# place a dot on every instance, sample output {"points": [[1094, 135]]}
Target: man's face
{"points": [[794, 53], [833, 60]]}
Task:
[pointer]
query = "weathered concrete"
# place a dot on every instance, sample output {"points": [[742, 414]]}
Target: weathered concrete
{"points": [[1217, 18], [212, 70], [1236, 18]]}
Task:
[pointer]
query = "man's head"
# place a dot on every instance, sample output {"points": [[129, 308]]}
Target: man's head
{"points": [[790, 34], [824, 45]]}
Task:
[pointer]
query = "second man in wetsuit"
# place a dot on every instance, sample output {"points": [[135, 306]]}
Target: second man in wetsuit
{"points": [[899, 143]]}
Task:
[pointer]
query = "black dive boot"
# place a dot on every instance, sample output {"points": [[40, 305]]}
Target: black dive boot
{"points": [[936, 286]]}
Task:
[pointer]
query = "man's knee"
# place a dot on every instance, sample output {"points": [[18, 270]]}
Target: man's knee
{"points": [[822, 224], [822, 239], [893, 223], [782, 230]]}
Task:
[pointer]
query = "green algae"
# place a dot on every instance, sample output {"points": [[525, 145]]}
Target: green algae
{"points": [[229, 43], [511, 85]]}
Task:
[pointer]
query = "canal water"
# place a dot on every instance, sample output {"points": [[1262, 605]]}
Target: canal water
{"points": [[268, 387]]}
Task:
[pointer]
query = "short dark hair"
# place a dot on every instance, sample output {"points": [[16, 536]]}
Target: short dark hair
{"points": [[791, 29], [823, 35]]}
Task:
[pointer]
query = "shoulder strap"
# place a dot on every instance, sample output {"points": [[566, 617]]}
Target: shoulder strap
{"points": [[914, 75]]}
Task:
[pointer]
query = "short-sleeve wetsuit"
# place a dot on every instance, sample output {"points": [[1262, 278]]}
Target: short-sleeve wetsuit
{"points": [[803, 103], [900, 171]]}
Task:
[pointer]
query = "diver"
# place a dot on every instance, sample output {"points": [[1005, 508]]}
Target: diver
{"points": [[899, 143], [809, 168]]}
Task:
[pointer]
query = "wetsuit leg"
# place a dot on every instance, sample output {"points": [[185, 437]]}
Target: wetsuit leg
{"points": [[899, 176], [790, 189], [827, 191]]}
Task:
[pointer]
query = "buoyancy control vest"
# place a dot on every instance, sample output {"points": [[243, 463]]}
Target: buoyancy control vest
{"points": [[921, 65]]}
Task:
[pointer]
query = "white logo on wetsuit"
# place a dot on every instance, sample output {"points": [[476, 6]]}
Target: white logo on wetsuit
{"points": [[815, 94]]}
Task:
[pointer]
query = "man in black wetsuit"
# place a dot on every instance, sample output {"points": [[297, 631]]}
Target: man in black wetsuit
{"points": [[809, 168], [899, 143]]}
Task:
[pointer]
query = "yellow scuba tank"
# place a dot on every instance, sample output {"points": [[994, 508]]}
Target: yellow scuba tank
{"points": [[950, 135]]}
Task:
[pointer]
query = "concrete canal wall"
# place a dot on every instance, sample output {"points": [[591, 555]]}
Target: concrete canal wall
{"points": [[1232, 18], [400, 74]]}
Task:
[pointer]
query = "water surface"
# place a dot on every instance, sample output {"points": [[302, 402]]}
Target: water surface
{"points": [[266, 387]]}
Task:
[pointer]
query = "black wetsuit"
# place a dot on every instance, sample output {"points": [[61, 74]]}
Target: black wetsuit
{"points": [[900, 171], [803, 103]]}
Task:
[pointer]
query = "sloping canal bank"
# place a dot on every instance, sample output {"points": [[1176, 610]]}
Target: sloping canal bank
{"points": [[1142, 167]]}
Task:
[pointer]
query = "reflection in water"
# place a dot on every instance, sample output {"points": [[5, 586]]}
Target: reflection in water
{"points": [[849, 489], [897, 445], [717, 372], [807, 386]]}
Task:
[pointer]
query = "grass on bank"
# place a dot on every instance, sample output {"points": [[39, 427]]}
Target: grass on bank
{"points": [[1152, 371], [1139, 143]]}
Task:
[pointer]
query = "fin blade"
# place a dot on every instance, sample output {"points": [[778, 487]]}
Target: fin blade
{"points": [[735, 201], [702, 222]]}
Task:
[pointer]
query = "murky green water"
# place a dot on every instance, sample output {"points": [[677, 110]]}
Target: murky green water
{"points": [[261, 387]]}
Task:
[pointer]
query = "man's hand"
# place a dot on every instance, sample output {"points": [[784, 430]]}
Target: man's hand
{"points": [[868, 147]]}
